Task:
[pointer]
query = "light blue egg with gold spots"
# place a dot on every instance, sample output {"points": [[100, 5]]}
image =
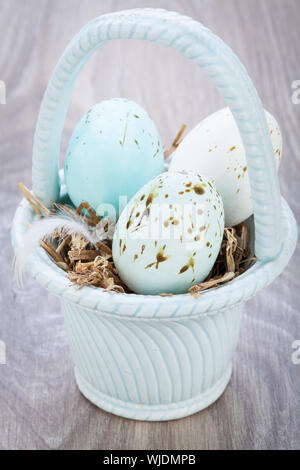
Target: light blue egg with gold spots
{"points": [[114, 150], [169, 235]]}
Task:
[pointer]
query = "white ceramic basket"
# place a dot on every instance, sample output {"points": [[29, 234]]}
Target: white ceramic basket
{"points": [[151, 357]]}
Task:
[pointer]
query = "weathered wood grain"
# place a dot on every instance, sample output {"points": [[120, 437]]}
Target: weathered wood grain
{"points": [[40, 406]]}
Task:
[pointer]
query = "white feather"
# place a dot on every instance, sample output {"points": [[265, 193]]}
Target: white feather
{"points": [[71, 222]]}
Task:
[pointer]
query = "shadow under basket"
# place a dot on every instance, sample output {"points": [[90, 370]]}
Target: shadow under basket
{"points": [[151, 357]]}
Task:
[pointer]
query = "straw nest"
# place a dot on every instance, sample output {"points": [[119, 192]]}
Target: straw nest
{"points": [[92, 265]]}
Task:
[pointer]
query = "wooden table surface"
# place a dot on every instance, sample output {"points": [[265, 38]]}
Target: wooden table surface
{"points": [[40, 405]]}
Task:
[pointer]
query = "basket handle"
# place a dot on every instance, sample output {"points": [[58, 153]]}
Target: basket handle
{"points": [[211, 54]]}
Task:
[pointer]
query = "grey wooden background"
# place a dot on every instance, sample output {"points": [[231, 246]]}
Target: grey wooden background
{"points": [[40, 406]]}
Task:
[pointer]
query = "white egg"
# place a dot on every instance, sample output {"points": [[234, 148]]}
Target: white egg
{"points": [[214, 148], [169, 235]]}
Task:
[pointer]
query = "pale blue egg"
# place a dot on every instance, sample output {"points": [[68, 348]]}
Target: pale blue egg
{"points": [[114, 150]]}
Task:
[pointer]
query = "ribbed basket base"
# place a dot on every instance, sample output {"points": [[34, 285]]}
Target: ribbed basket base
{"points": [[154, 412]]}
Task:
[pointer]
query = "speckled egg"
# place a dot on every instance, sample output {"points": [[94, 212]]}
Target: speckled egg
{"points": [[214, 148], [169, 235], [114, 150]]}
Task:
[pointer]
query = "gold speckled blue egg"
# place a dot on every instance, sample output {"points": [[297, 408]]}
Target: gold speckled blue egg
{"points": [[169, 235], [114, 150]]}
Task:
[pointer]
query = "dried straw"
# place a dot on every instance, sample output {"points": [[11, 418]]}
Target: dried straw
{"points": [[233, 259], [176, 142]]}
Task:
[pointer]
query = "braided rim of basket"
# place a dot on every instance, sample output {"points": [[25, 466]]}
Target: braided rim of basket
{"points": [[134, 306]]}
